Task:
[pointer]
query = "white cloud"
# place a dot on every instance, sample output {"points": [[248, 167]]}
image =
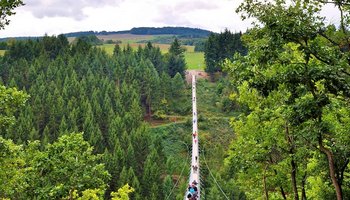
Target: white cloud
{"points": [[65, 8], [38, 17]]}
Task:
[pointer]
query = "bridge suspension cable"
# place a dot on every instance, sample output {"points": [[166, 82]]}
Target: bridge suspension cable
{"points": [[183, 169], [212, 176]]}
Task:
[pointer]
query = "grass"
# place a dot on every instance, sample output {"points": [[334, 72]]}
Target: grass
{"points": [[195, 60], [2, 52]]}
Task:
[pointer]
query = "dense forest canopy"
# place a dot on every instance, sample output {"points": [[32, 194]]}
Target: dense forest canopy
{"points": [[71, 88], [292, 134]]}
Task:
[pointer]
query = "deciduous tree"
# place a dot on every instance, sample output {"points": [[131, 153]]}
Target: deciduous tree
{"points": [[6, 10], [292, 52]]}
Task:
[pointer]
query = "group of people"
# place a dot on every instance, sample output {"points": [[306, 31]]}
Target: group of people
{"points": [[192, 191]]}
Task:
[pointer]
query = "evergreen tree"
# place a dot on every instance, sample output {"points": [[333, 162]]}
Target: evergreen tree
{"points": [[175, 59], [116, 50], [123, 177], [83, 89], [150, 178], [150, 89], [176, 48], [211, 54], [168, 188], [220, 47], [130, 156], [81, 46]]}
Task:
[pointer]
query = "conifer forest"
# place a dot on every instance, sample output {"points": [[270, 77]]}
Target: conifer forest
{"points": [[272, 106]]}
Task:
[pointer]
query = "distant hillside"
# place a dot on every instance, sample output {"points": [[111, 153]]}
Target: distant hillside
{"points": [[170, 31], [182, 31], [19, 38]]}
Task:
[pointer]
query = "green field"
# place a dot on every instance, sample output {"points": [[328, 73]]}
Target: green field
{"points": [[2, 52], [195, 60]]}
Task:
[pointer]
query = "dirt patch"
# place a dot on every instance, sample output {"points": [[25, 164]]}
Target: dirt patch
{"points": [[198, 73], [155, 122]]}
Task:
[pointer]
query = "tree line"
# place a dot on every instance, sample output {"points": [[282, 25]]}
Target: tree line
{"points": [[220, 47]]}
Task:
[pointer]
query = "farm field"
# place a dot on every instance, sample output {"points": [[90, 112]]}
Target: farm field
{"points": [[125, 38], [195, 60]]}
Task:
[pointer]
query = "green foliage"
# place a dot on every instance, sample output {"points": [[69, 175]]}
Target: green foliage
{"points": [[12, 169], [175, 59], [215, 134], [82, 45], [90, 39], [65, 166], [176, 48], [293, 82], [60, 170], [179, 98], [123, 193], [220, 47], [11, 101], [169, 30], [199, 46], [89, 194], [3, 45], [167, 188], [79, 88], [6, 10]]}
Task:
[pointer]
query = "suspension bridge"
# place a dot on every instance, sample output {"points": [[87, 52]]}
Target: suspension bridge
{"points": [[193, 191]]}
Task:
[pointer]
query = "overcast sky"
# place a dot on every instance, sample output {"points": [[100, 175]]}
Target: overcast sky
{"points": [[52, 17]]}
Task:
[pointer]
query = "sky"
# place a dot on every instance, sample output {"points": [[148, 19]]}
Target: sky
{"points": [[52, 17]]}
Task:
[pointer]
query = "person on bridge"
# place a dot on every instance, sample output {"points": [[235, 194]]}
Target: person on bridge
{"points": [[195, 168], [192, 192], [194, 134]]}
